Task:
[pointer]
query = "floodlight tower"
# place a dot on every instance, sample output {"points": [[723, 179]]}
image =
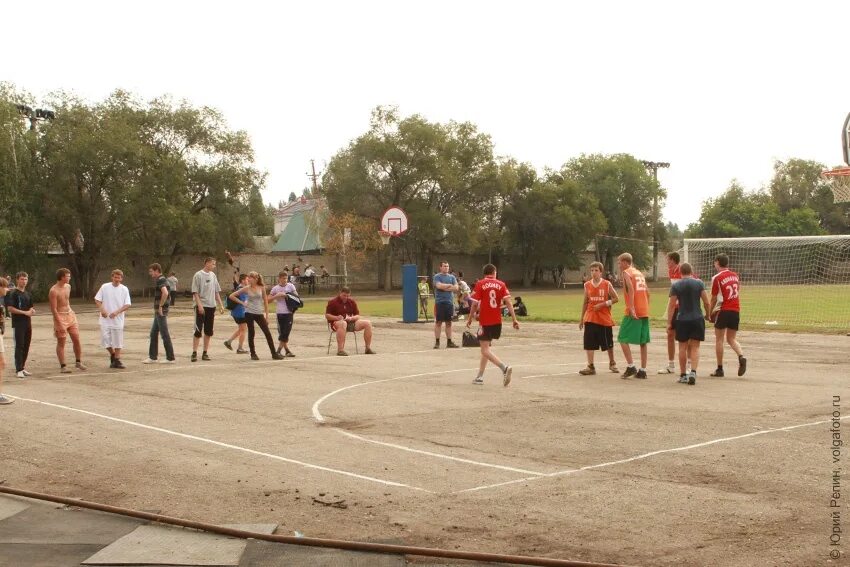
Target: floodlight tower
{"points": [[653, 166]]}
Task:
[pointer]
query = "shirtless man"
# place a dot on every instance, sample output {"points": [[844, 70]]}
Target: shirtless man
{"points": [[65, 320]]}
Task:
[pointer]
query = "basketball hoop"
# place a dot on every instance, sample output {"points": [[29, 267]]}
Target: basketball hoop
{"points": [[839, 181], [385, 236]]}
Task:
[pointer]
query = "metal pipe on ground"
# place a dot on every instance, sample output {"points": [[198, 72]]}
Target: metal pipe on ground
{"points": [[308, 541]]}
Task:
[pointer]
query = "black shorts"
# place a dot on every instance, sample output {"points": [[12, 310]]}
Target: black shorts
{"points": [[239, 320], [204, 322], [490, 332], [284, 326], [443, 312], [728, 320], [690, 330], [598, 337]]}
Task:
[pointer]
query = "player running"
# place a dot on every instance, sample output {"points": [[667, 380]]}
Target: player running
{"points": [[489, 295]]}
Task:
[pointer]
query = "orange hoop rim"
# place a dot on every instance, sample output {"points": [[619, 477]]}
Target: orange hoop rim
{"points": [[837, 172]]}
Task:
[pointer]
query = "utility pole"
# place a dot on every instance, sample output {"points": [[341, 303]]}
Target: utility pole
{"points": [[653, 166], [314, 176]]}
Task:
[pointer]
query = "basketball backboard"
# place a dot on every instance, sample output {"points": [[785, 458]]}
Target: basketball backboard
{"points": [[394, 221]]}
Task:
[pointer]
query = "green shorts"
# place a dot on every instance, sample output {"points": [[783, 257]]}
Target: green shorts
{"points": [[634, 331]]}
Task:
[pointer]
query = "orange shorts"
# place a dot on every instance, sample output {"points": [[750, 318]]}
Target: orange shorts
{"points": [[66, 322]]}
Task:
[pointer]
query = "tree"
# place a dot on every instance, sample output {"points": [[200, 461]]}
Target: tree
{"points": [[625, 193], [799, 183], [360, 244], [433, 171], [551, 223], [120, 178], [23, 243], [737, 213]]}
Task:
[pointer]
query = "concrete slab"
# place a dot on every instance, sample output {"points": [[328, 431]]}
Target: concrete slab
{"points": [[52, 525], [11, 505], [270, 554], [169, 545], [45, 555]]}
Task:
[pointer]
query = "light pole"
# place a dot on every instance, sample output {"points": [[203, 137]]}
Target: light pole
{"points": [[653, 166]]}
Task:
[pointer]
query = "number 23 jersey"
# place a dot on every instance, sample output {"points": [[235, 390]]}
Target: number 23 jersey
{"points": [[490, 292], [725, 284]]}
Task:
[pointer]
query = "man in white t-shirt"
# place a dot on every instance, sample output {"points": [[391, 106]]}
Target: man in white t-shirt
{"points": [[113, 299], [206, 293]]}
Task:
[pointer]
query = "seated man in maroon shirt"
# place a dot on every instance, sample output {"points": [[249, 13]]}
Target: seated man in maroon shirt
{"points": [[343, 316]]}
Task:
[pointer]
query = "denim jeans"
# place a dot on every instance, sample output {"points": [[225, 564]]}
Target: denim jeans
{"points": [[160, 326]]}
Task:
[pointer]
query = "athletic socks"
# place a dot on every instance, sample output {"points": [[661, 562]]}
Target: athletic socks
{"points": [[503, 366]]}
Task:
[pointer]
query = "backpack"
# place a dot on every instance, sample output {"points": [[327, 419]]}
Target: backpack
{"points": [[470, 340], [294, 302], [229, 304]]}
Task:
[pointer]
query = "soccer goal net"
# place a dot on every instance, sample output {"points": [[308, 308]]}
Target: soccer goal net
{"points": [[789, 283]]}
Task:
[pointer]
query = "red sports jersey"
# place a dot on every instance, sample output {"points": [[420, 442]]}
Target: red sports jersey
{"points": [[725, 284], [489, 292], [675, 274]]}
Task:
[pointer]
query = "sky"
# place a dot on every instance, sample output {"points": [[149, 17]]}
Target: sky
{"points": [[719, 90]]}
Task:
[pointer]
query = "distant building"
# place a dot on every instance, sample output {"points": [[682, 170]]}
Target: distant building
{"points": [[298, 225]]}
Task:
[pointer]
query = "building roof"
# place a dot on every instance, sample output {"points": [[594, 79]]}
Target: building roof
{"points": [[301, 232]]}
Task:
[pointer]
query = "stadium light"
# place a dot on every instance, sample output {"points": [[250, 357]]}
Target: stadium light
{"points": [[654, 166]]}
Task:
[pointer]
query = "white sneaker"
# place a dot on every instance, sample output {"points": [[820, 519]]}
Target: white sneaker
{"points": [[667, 370], [21, 375], [149, 361], [81, 366], [4, 400], [506, 376], [65, 370], [166, 361], [26, 372], [478, 380]]}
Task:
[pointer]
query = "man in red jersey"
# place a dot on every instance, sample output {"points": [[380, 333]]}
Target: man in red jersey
{"points": [[674, 272], [489, 295], [725, 285]]}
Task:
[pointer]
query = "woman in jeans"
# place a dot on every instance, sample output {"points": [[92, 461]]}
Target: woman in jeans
{"points": [[256, 311]]}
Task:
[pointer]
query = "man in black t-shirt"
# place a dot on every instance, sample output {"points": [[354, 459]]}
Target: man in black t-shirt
{"points": [[19, 303], [160, 318]]}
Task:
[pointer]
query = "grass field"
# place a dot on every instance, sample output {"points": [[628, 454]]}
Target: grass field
{"points": [[821, 309]]}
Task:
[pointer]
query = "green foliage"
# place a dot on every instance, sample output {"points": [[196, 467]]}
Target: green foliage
{"points": [[737, 213], [798, 183], [625, 193], [122, 178]]}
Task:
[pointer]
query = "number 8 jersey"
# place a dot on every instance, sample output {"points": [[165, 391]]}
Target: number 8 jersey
{"points": [[489, 292], [725, 284]]}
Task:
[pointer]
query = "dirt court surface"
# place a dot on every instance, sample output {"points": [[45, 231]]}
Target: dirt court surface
{"points": [[402, 446]]}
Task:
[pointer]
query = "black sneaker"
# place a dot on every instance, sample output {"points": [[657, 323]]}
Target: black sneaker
{"points": [[436, 345], [630, 371], [742, 365], [118, 364], [289, 354], [227, 345], [451, 344], [254, 357], [692, 378], [194, 357], [717, 373], [277, 356], [641, 374], [205, 356]]}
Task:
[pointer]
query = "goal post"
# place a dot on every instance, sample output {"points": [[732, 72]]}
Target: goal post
{"points": [[789, 282]]}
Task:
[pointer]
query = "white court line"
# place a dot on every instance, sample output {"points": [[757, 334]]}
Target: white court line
{"points": [[647, 455], [228, 446], [438, 455], [320, 418]]}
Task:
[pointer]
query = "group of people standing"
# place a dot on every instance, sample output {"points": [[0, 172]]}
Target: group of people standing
{"points": [[249, 299], [684, 315]]}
